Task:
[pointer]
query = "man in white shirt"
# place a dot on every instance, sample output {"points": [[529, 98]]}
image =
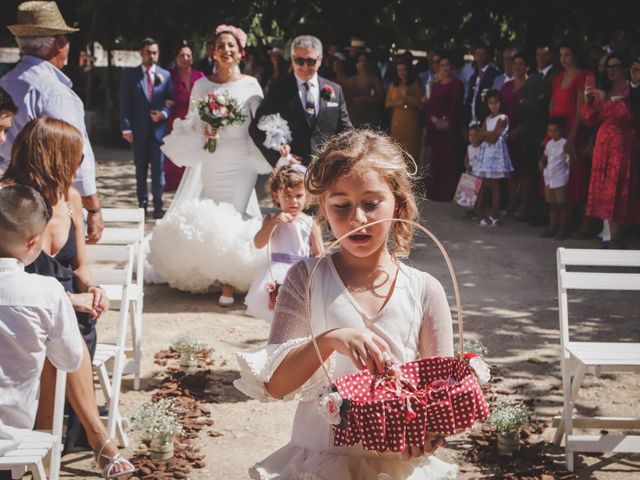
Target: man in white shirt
{"points": [[38, 87], [36, 316], [507, 62]]}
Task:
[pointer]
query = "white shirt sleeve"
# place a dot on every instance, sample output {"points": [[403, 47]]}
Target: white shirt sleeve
{"points": [[64, 344], [71, 110], [288, 331]]}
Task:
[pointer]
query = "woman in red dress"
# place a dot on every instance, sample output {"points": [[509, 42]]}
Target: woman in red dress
{"points": [[567, 96], [183, 77], [611, 189], [443, 115]]}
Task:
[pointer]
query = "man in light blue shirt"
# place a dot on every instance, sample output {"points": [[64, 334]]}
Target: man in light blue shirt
{"points": [[39, 88]]}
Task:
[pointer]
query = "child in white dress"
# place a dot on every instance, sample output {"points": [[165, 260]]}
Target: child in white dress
{"points": [[291, 234], [365, 305], [475, 140], [493, 162]]}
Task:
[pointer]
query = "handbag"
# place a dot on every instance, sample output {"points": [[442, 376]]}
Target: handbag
{"points": [[402, 405], [467, 190]]}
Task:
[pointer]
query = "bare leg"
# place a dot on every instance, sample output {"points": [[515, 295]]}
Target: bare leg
{"points": [[562, 214], [82, 397], [495, 197], [227, 290], [553, 216], [512, 185], [617, 235]]}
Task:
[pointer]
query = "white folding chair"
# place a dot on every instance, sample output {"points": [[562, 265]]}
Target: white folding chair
{"points": [[579, 358], [112, 267], [125, 226], [30, 455]]}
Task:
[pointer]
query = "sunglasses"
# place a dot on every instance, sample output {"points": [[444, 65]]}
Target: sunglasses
{"points": [[301, 61], [614, 66]]}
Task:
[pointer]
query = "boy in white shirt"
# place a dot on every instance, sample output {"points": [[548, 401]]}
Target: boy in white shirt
{"points": [[555, 166], [36, 316]]}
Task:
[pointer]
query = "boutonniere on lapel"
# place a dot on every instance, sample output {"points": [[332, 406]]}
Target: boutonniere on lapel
{"points": [[327, 93], [158, 79]]}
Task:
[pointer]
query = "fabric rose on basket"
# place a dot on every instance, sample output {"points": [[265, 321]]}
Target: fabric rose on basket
{"points": [[480, 368], [218, 111], [332, 406]]}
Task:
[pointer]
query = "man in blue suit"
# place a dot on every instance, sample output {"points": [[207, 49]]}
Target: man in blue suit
{"points": [[146, 96]]}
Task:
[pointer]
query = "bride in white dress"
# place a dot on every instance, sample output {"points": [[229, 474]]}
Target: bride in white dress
{"points": [[206, 236]]}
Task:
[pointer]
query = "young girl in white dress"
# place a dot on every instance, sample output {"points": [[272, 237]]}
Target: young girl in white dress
{"points": [[365, 305], [493, 162], [295, 236]]}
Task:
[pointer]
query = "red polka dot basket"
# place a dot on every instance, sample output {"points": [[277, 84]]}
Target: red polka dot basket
{"points": [[388, 411]]}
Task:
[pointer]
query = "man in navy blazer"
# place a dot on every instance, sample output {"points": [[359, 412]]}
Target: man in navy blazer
{"points": [[314, 107], [480, 82], [146, 97]]}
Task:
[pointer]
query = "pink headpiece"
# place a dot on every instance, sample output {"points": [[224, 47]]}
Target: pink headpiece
{"points": [[235, 31]]}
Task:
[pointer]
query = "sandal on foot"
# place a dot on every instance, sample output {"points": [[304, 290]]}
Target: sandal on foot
{"points": [[489, 222], [226, 301], [117, 459]]}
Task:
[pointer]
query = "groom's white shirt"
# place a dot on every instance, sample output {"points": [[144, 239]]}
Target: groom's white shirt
{"points": [[315, 91]]}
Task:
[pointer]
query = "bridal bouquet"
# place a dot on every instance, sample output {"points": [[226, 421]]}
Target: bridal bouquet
{"points": [[218, 111]]}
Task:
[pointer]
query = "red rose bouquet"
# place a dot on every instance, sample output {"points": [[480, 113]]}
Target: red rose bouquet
{"points": [[218, 111]]}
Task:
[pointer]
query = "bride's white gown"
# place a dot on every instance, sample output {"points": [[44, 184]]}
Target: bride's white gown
{"points": [[207, 234]]}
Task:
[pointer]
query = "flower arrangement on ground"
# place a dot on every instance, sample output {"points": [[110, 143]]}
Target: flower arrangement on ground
{"points": [[188, 347], [159, 422], [507, 418]]}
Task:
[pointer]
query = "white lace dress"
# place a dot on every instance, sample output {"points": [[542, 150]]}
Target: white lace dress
{"points": [[289, 243], [207, 234], [415, 322]]}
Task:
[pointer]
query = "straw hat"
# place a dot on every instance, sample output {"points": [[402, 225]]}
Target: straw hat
{"points": [[40, 19]]}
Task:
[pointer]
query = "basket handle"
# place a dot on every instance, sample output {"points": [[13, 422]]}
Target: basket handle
{"points": [[399, 220]]}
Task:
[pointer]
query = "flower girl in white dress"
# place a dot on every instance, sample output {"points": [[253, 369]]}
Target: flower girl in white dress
{"points": [[365, 305], [291, 234]]}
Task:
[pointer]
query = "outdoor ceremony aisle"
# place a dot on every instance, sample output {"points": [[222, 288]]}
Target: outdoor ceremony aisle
{"points": [[508, 285]]}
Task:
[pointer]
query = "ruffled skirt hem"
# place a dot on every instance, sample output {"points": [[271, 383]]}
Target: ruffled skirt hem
{"points": [[295, 463]]}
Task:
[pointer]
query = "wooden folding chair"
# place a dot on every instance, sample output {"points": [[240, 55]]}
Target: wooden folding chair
{"points": [[579, 358], [30, 455], [112, 267], [125, 226]]}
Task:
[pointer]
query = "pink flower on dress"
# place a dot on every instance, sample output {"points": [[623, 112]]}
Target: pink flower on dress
{"points": [[330, 407], [224, 111]]}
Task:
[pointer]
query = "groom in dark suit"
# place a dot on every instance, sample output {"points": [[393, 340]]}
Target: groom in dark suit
{"points": [[146, 96], [314, 107]]}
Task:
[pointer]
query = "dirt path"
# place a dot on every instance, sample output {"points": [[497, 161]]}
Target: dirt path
{"points": [[508, 286]]}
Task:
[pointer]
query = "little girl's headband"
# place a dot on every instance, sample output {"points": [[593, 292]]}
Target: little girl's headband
{"points": [[299, 168], [238, 33]]}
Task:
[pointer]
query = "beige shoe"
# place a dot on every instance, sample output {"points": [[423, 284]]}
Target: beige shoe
{"points": [[225, 301]]}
